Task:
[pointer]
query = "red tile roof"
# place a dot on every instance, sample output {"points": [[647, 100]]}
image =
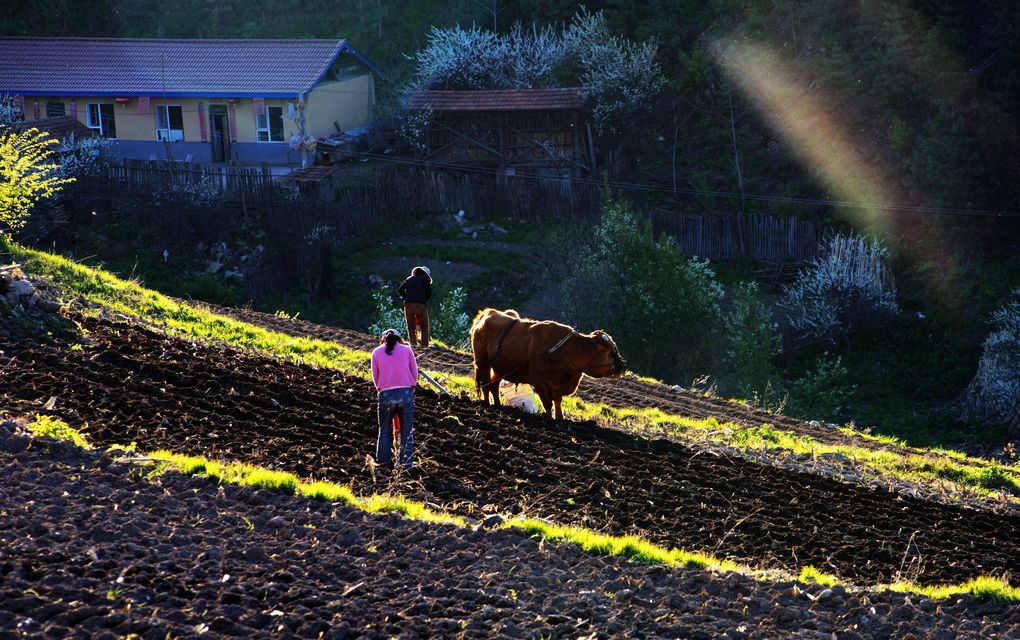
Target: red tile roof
{"points": [[151, 67], [499, 100], [59, 127]]}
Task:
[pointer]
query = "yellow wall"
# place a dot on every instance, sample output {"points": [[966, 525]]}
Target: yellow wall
{"points": [[348, 102], [244, 112], [130, 124]]}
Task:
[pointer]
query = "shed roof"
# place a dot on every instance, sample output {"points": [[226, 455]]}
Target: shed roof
{"points": [[155, 67], [59, 127], [499, 100]]}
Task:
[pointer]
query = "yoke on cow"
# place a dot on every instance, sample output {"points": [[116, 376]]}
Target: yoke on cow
{"points": [[550, 356]]}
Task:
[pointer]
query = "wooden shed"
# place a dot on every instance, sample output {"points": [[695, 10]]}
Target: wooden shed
{"points": [[525, 132]]}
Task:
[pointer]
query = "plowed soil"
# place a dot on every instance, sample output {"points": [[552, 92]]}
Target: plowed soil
{"points": [[94, 549], [133, 384], [629, 391]]}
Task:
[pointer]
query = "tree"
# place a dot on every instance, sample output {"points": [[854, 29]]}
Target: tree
{"points": [[27, 174], [661, 307], [619, 75], [752, 343]]}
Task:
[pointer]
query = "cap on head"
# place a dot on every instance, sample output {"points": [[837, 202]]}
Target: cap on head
{"points": [[390, 332], [425, 270]]}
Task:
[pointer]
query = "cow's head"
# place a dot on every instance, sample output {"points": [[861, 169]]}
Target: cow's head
{"points": [[606, 361]]}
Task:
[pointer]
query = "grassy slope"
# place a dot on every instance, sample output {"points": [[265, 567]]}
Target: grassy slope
{"points": [[631, 547], [128, 298], [942, 471]]}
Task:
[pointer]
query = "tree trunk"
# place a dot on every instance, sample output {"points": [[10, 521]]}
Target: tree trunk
{"points": [[326, 288]]}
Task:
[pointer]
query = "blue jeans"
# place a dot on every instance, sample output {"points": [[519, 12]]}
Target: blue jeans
{"points": [[401, 402]]}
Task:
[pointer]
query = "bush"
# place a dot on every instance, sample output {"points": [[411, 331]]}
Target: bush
{"points": [[850, 280], [27, 175], [448, 321], [387, 314], [995, 391], [661, 307], [753, 343], [451, 324], [822, 392]]}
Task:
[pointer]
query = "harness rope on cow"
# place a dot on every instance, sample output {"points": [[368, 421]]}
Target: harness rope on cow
{"points": [[499, 354]]}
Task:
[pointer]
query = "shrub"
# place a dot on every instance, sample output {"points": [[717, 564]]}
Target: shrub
{"points": [[10, 113], [753, 343], [48, 427], [850, 280], [821, 392], [27, 175], [198, 194], [448, 321], [387, 314], [451, 324], [661, 307], [80, 156], [994, 393]]}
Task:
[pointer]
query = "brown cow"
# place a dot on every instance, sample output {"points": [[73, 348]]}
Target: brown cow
{"points": [[549, 356]]}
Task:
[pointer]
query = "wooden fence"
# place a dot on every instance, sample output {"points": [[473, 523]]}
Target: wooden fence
{"points": [[725, 237], [147, 177], [397, 191], [292, 214]]}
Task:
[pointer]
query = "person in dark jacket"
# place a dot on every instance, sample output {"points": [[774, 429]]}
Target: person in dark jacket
{"points": [[416, 291]]}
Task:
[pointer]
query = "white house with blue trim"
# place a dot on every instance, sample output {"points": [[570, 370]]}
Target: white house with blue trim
{"points": [[246, 101]]}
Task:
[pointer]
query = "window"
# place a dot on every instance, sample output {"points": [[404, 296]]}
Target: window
{"points": [[54, 109], [100, 118], [269, 125], [169, 123]]}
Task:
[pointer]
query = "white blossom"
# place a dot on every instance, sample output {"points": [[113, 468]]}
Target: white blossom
{"points": [[617, 74], [9, 112], [850, 277]]}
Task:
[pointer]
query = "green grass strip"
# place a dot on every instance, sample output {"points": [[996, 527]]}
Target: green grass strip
{"points": [[811, 574], [246, 475], [630, 547], [937, 469], [983, 588]]}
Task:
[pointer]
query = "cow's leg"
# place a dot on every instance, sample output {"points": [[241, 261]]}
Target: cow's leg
{"points": [[482, 379], [558, 405], [546, 398], [493, 389]]}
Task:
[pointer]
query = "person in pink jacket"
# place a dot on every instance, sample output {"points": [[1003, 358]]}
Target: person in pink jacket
{"points": [[395, 374]]}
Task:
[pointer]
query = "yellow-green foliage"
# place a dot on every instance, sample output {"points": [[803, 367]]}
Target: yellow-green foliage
{"points": [[248, 475], [27, 174], [328, 492], [983, 588], [630, 547], [810, 574], [48, 427], [936, 468]]}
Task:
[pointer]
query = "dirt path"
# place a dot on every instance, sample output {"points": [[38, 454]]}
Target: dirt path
{"points": [[89, 548], [135, 385]]}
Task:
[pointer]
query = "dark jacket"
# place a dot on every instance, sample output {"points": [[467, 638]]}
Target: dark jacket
{"points": [[417, 288]]}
